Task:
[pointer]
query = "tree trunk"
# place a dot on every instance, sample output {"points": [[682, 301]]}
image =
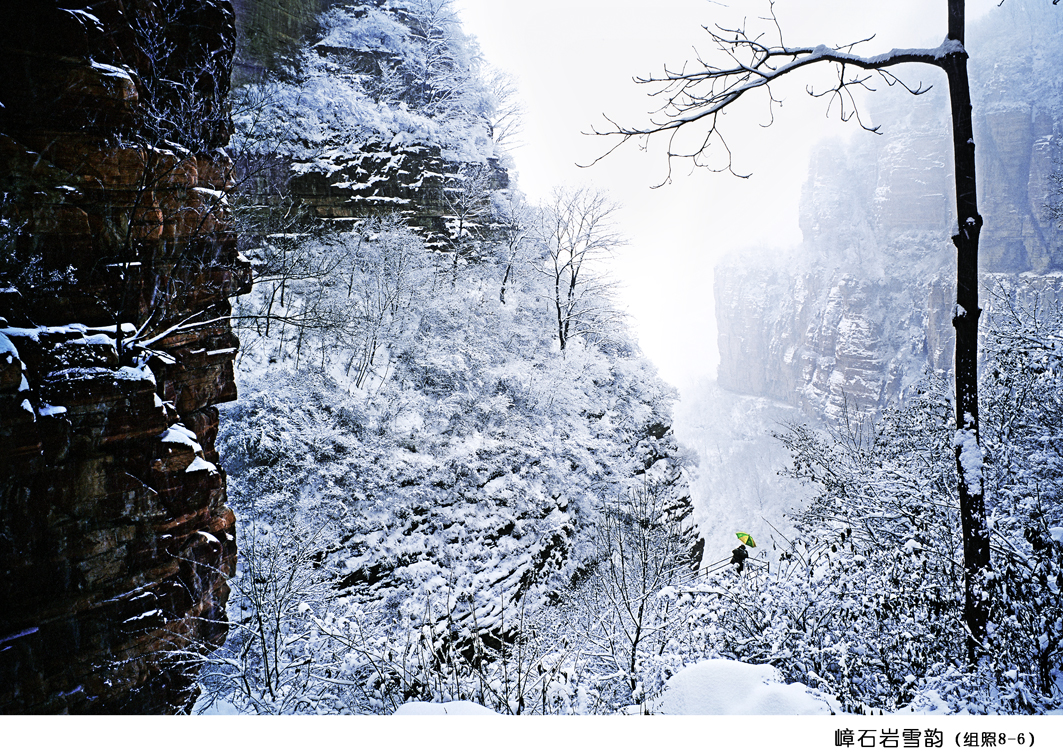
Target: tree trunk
{"points": [[561, 329], [505, 280], [965, 320]]}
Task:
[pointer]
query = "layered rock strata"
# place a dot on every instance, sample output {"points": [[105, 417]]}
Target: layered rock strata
{"points": [[828, 342], [872, 192], [352, 177], [415, 180], [118, 263], [271, 32]]}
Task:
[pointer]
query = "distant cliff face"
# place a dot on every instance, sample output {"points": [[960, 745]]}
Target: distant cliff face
{"points": [[903, 183], [878, 189], [864, 306], [116, 268], [824, 340]]}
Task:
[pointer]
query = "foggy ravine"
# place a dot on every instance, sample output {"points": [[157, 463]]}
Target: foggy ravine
{"points": [[852, 318]]}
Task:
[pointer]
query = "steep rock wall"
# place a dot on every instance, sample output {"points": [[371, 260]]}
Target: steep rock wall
{"points": [[115, 345], [270, 32], [414, 180], [872, 193], [826, 341]]}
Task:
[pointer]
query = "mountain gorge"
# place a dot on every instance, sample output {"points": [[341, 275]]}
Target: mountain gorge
{"points": [[858, 313], [306, 409], [441, 416], [439, 408]]}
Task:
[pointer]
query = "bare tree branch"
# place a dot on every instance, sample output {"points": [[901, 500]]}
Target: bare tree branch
{"points": [[701, 93]]}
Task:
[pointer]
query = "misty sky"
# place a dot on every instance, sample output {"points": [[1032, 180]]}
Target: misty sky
{"points": [[575, 59]]}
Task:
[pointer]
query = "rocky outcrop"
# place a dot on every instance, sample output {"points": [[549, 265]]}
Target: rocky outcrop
{"points": [[415, 181], [830, 342], [826, 341], [873, 193], [394, 128], [118, 265], [1022, 151]]}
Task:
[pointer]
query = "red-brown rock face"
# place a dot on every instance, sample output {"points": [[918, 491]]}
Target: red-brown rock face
{"points": [[116, 269]]}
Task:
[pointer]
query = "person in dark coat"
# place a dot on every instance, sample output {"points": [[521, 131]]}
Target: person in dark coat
{"points": [[739, 556]]}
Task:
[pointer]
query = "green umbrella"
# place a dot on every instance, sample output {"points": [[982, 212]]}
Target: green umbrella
{"points": [[747, 539]]}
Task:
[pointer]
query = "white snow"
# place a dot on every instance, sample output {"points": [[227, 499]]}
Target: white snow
{"points": [[86, 18], [724, 686], [142, 373], [19, 634], [98, 339], [713, 686], [199, 464], [179, 434], [152, 613], [464, 708], [114, 72], [970, 458], [7, 349]]}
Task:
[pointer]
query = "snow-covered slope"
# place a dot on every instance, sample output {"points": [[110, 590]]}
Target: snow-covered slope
{"points": [[430, 482]]}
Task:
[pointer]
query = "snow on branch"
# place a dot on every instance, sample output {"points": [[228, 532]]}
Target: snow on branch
{"points": [[701, 92], [184, 325]]}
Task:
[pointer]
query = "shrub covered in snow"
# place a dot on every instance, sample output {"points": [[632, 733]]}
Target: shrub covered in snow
{"points": [[394, 73], [439, 453]]}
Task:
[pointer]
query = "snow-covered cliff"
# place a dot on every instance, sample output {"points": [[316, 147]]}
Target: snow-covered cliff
{"points": [[862, 308]]}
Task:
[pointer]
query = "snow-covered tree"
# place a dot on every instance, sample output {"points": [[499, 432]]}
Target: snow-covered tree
{"points": [[628, 601], [512, 228], [864, 602], [409, 406], [376, 74], [577, 229]]}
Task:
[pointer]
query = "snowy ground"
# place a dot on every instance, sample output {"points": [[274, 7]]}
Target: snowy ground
{"points": [[724, 686], [713, 686], [727, 689]]}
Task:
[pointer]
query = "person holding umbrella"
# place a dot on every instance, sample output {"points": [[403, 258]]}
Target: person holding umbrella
{"points": [[739, 555]]}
